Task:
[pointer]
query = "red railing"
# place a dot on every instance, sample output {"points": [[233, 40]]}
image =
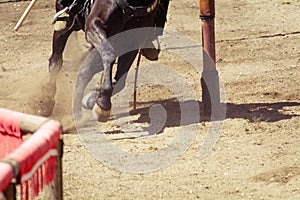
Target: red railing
{"points": [[33, 163]]}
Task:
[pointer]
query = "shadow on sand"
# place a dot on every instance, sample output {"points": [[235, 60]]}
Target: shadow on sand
{"points": [[267, 112]]}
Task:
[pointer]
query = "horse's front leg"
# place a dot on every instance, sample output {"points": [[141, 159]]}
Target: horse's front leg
{"points": [[59, 40], [102, 107], [97, 37]]}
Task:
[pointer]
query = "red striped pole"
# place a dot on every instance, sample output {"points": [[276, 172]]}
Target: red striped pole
{"points": [[207, 15]]}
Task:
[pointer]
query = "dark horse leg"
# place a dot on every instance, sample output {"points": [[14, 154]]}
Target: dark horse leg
{"points": [[124, 63], [102, 105], [96, 35], [104, 15], [91, 66], [59, 41]]}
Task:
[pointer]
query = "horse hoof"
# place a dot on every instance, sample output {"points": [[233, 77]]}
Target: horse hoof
{"points": [[45, 107], [88, 101], [100, 114]]}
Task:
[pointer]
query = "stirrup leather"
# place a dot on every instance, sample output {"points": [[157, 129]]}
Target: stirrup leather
{"points": [[59, 13]]}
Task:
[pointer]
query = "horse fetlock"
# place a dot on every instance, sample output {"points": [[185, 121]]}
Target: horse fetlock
{"points": [[55, 62], [46, 106], [104, 102], [106, 93], [55, 67]]}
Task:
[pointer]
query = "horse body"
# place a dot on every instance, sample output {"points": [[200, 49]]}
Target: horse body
{"points": [[106, 18]]}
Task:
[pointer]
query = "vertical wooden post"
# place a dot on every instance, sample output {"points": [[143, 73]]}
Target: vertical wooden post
{"points": [[58, 180], [55, 189], [10, 193], [210, 78]]}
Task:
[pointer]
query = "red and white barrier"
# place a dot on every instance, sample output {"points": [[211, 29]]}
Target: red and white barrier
{"points": [[32, 163]]}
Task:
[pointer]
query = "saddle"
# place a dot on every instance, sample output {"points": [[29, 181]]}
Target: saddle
{"points": [[63, 21], [129, 10]]}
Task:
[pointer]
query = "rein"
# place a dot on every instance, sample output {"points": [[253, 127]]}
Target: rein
{"points": [[86, 10]]}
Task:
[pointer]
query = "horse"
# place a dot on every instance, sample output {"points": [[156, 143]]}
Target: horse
{"points": [[100, 20]]}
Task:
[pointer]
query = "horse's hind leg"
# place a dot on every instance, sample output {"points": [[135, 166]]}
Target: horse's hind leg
{"points": [[124, 63], [58, 45], [59, 41]]}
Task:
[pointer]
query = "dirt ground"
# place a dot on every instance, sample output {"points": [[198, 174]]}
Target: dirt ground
{"points": [[257, 155]]}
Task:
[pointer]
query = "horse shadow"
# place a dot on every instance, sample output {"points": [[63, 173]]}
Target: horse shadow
{"points": [[252, 112]]}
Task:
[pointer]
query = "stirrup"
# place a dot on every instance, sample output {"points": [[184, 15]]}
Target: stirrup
{"points": [[59, 13], [62, 20]]}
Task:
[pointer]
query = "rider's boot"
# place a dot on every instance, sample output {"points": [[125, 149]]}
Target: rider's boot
{"points": [[150, 51], [64, 19]]}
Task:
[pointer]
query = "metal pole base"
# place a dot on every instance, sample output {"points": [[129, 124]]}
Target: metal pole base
{"points": [[210, 93]]}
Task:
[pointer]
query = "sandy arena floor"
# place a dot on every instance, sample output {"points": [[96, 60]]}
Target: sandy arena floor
{"points": [[257, 155]]}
